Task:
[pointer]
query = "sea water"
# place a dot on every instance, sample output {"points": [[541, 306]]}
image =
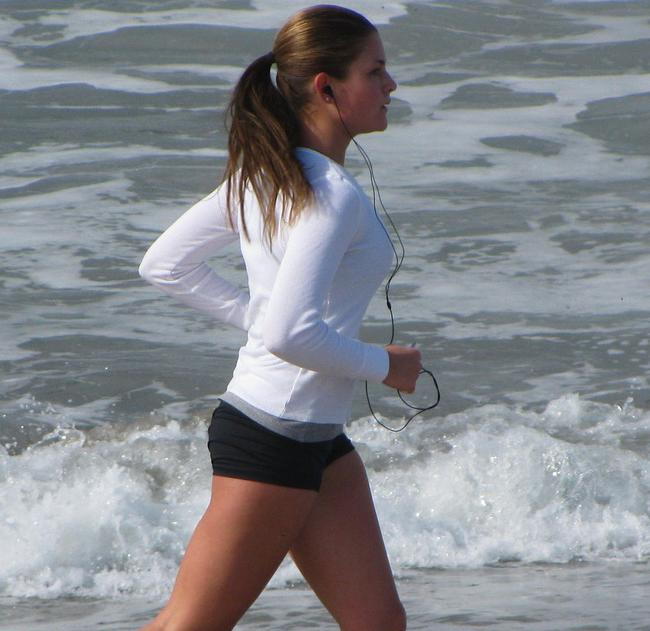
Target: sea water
{"points": [[516, 170]]}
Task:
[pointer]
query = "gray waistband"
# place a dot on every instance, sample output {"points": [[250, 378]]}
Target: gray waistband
{"points": [[297, 430]]}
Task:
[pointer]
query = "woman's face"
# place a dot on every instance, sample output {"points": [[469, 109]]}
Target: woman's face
{"points": [[363, 95]]}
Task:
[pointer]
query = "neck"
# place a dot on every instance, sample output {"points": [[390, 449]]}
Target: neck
{"points": [[326, 139]]}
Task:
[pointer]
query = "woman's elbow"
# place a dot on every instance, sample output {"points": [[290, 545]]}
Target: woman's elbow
{"points": [[277, 341], [151, 271], [286, 342], [297, 342], [146, 270]]}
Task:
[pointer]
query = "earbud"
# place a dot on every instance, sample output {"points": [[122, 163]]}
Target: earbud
{"points": [[328, 90]]}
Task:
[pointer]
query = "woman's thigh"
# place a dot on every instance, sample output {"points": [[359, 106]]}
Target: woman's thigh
{"points": [[240, 541], [341, 553]]}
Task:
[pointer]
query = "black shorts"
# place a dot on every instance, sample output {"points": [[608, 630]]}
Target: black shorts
{"points": [[242, 448]]}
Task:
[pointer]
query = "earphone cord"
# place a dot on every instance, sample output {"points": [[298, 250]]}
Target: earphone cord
{"points": [[399, 260]]}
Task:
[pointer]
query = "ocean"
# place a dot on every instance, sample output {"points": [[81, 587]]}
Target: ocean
{"points": [[516, 169]]}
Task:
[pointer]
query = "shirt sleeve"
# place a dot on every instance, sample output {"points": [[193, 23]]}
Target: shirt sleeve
{"points": [[294, 328], [176, 261]]}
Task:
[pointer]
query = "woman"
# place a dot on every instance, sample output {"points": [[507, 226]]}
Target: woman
{"points": [[286, 478]]}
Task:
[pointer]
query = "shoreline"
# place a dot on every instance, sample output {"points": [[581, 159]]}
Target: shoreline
{"points": [[538, 597]]}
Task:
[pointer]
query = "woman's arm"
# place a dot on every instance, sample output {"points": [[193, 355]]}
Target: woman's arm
{"points": [[294, 326], [175, 262]]}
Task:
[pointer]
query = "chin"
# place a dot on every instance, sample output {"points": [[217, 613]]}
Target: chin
{"points": [[380, 125]]}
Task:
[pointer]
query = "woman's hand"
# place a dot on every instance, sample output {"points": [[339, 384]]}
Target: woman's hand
{"points": [[404, 367]]}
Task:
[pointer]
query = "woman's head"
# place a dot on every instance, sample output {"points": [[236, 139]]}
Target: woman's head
{"points": [[320, 39], [266, 119]]}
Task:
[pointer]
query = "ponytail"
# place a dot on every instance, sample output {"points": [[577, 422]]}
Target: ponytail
{"points": [[264, 131], [264, 119]]}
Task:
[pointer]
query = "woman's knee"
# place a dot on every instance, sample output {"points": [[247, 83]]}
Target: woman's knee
{"points": [[397, 618], [392, 618], [166, 621], [173, 626]]}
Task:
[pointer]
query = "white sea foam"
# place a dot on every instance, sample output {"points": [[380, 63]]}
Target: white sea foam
{"points": [[41, 157], [560, 2], [436, 135], [68, 200], [108, 512], [504, 489], [104, 517], [8, 26], [220, 73], [614, 289], [14, 76], [15, 182], [608, 30], [268, 14]]}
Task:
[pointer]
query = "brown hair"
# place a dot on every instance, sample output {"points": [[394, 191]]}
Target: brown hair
{"points": [[264, 119]]}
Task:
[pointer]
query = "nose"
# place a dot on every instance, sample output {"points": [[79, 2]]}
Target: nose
{"points": [[391, 85]]}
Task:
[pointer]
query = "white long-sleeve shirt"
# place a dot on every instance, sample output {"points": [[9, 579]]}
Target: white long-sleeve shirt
{"points": [[307, 297]]}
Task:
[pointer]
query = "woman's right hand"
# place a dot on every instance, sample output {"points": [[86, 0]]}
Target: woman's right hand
{"points": [[404, 367]]}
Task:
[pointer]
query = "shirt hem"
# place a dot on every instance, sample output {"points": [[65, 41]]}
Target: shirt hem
{"points": [[302, 431]]}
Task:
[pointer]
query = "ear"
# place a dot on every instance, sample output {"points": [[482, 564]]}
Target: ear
{"points": [[321, 82]]}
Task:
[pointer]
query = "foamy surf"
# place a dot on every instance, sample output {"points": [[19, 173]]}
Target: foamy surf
{"points": [[107, 512]]}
